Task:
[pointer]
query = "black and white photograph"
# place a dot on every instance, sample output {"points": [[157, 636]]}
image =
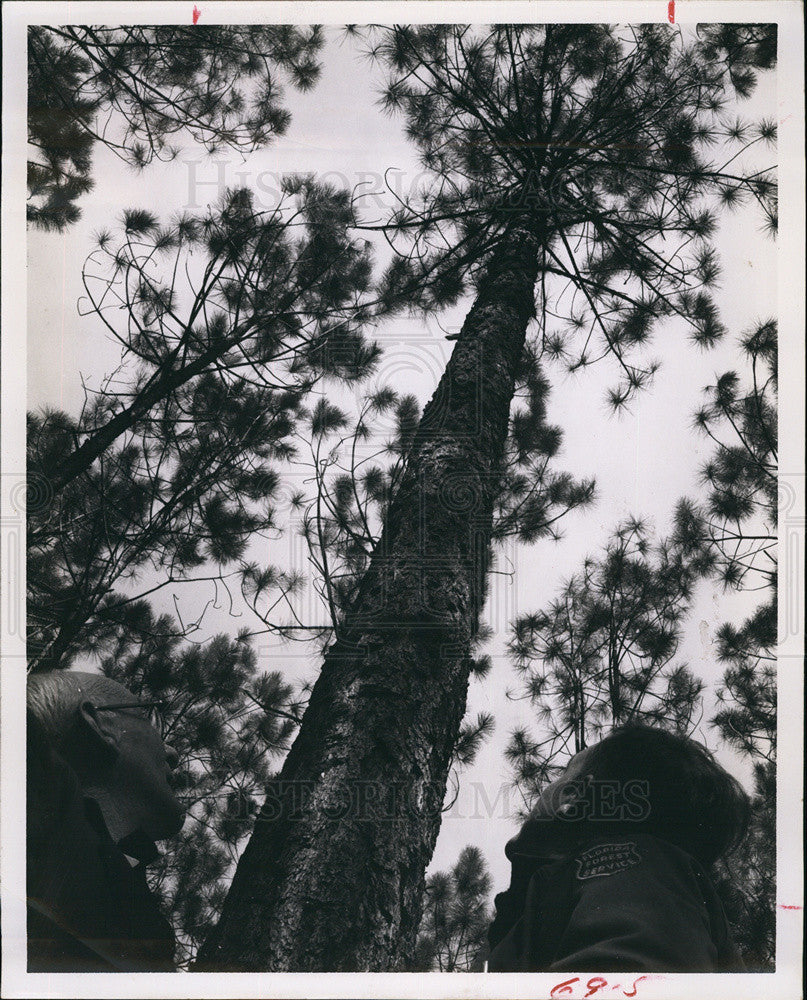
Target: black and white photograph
{"points": [[392, 500]]}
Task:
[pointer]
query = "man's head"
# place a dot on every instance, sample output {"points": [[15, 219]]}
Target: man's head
{"points": [[105, 733], [643, 778]]}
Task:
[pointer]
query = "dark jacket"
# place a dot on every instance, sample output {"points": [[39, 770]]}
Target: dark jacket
{"points": [[89, 907], [624, 903]]}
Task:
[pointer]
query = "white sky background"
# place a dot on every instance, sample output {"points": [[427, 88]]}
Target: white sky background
{"points": [[643, 460]]}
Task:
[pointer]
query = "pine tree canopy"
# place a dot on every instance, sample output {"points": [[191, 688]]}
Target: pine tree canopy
{"points": [[225, 320], [741, 479], [456, 917], [601, 654], [738, 523], [613, 147], [137, 89]]}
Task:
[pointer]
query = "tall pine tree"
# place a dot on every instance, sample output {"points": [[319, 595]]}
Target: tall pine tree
{"points": [[576, 150]]}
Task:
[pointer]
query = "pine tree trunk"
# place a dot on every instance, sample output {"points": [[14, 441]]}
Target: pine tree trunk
{"points": [[332, 877]]}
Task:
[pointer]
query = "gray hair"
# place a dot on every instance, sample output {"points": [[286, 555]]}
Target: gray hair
{"points": [[54, 698]]}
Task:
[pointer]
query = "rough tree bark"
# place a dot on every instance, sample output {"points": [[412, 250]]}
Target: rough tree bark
{"points": [[332, 877]]}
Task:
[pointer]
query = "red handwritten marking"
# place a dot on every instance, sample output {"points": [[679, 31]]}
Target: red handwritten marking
{"points": [[635, 981], [594, 985], [671, 11], [784, 906], [196, 13]]}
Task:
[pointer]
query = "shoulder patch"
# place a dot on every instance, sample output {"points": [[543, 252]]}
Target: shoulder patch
{"points": [[607, 859]]}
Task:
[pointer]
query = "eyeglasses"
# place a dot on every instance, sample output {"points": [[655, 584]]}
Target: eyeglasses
{"points": [[155, 715]]}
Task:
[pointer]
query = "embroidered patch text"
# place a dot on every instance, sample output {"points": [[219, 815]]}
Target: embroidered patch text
{"points": [[607, 859]]}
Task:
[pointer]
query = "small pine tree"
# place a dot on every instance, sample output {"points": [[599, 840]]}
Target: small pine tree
{"points": [[601, 654], [456, 916]]}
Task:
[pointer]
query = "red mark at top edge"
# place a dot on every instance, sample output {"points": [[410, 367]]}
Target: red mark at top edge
{"points": [[670, 12], [196, 13], [785, 906]]}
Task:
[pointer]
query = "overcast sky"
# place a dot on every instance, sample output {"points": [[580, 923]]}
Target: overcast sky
{"points": [[643, 460]]}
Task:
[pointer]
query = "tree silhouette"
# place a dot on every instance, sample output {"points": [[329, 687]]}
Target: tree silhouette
{"points": [[739, 518], [601, 654], [136, 89], [226, 320], [571, 151], [456, 916], [739, 524]]}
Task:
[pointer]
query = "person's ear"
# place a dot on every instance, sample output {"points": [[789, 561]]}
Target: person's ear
{"points": [[98, 728]]}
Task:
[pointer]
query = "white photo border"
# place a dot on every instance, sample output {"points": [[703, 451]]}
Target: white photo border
{"points": [[785, 982]]}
